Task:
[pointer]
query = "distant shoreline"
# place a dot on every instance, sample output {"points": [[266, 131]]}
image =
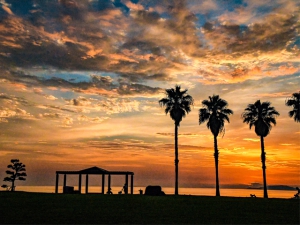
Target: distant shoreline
{"points": [[270, 187], [229, 192]]}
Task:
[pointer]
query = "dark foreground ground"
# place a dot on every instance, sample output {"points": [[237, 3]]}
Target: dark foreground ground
{"points": [[42, 208]]}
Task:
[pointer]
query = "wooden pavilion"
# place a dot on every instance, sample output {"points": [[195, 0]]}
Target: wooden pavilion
{"points": [[94, 171]]}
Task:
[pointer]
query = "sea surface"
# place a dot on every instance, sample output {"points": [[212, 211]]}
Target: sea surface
{"points": [[170, 190]]}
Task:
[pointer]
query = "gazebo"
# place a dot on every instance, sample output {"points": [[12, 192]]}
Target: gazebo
{"points": [[94, 171]]}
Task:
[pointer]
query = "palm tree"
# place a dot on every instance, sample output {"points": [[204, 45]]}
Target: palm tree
{"points": [[294, 101], [178, 104], [215, 112], [262, 116]]}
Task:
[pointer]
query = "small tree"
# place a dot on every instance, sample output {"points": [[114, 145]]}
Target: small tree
{"points": [[17, 172]]}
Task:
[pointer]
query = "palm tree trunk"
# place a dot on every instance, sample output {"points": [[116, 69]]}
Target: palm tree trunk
{"points": [[216, 154], [263, 161], [176, 159]]}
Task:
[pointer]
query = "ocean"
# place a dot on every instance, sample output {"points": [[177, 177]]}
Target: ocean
{"points": [[170, 190]]}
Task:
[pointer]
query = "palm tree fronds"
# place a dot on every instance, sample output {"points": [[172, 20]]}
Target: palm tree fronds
{"points": [[294, 102], [261, 115], [216, 112], [178, 103]]}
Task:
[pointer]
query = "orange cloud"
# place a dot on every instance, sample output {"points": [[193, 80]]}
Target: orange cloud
{"points": [[98, 91], [8, 10], [288, 69]]}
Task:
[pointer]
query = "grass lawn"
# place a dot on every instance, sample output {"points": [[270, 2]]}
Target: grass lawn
{"points": [[39, 208]]}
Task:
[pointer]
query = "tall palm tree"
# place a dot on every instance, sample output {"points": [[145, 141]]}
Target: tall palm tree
{"points": [[178, 104], [215, 112], [294, 102], [261, 116]]}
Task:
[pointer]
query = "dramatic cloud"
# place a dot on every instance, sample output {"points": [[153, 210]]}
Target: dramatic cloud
{"points": [[135, 41]]}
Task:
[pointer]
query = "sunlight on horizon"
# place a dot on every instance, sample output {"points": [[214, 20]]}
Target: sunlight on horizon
{"points": [[80, 87]]}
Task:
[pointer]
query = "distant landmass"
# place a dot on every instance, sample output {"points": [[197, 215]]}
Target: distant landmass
{"points": [[280, 187], [257, 186], [234, 186]]}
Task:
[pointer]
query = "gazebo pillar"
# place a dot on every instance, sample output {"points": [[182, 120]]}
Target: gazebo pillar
{"points": [[109, 183], [131, 185], [79, 184], [56, 183], [87, 184], [65, 180], [126, 183], [103, 183]]}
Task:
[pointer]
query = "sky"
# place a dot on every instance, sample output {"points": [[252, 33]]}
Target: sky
{"points": [[80, 82]]}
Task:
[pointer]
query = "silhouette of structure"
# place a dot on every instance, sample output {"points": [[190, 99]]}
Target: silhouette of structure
{"points": [[91, 171], [154, 191]]}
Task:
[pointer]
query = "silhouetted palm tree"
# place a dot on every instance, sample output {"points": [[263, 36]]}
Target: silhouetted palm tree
{"points": [[215, 112], [294, 102], [178, 104], [261, 116]]}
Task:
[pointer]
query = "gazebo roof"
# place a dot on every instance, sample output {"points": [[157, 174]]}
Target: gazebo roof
{"points": [[95, 170]]}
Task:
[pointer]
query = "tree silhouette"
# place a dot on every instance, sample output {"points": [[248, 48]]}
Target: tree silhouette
{"points": [[178, 104], [294, 102], [215, 112], [17, 172], [261, 116]]}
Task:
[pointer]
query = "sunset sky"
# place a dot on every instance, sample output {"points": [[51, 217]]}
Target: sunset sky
{"points": [[80, 82]]}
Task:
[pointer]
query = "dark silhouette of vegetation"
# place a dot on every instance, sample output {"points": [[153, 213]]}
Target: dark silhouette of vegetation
{"points": [[294, 102], [296, 196], [178, 104], [6, 187], [45, 208], [215, 112], [261, 116], [17, 172]]}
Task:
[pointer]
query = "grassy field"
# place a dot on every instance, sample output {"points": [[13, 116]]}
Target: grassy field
{"points": [[42, 208]]}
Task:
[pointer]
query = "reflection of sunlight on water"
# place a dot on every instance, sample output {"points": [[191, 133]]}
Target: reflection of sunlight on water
{"points": [[170, 190]]}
